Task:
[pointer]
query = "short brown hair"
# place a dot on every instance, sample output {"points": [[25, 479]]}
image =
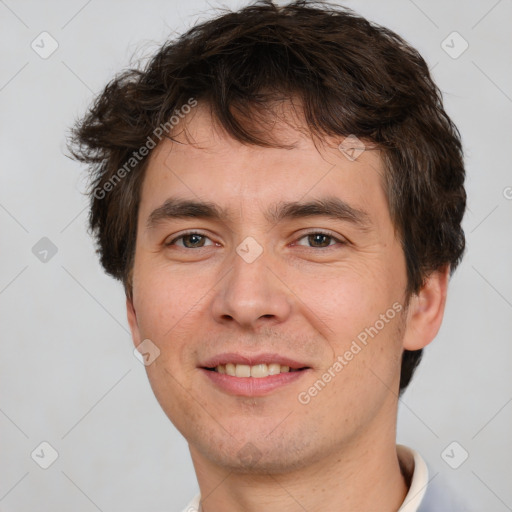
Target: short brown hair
{"points": [[352, 77]]}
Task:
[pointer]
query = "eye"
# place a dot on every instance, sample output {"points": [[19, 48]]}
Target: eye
{"points": [[319, 240], [191, 240]]}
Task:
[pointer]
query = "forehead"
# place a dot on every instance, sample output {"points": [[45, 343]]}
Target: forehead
{"points": [[204, 162]]}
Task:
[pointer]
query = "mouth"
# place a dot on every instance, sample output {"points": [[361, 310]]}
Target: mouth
{"points": [[258, 371], [252, 375]]}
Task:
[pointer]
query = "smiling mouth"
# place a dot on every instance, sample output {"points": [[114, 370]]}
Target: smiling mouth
{"points": [[257, 371]]}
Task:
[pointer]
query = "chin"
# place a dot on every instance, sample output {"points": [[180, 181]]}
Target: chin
{"points": [[259, 455]]}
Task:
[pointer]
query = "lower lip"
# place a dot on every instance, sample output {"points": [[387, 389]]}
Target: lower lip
{"points": [[252, 386]]}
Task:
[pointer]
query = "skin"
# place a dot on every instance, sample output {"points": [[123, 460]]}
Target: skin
{"points": [[304, 299]]}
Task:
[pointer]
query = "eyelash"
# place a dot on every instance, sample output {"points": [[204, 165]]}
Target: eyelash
{"points": [[315, 232]]}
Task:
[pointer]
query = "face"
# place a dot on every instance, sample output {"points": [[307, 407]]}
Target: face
{"points": [[289, 260]]}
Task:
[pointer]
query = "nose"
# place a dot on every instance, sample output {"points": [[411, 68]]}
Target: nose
{"points": [[252, 295]]}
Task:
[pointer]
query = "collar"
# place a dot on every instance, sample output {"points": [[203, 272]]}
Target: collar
{"points": [[415, 472]]}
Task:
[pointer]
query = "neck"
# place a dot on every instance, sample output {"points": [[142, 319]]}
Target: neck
{"points": [[363, 474]]}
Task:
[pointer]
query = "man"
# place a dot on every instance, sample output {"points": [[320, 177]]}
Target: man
{"points": [[281, 193]]}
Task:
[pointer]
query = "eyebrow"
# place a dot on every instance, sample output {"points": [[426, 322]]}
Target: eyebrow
{"points": [[333, 207]]}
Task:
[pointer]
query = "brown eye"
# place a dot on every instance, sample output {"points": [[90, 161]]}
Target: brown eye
{"points": [[319, 240], [194, 240], [190, 241]]}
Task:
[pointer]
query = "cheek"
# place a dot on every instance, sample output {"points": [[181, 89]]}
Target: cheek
{"points": [[169, 307], [164, 297], [341, 301], [172, 390], [360, 378], [353, 310]]}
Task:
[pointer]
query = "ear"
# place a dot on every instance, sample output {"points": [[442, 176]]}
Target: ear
{"points": [[426, 310], [132, 321]]}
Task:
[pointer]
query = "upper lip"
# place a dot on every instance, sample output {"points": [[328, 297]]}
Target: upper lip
{"points": [[251, 360]]}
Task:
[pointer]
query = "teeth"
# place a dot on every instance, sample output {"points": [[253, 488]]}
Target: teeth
{"points": [[242, 370], [257, 371], [274, 368]]}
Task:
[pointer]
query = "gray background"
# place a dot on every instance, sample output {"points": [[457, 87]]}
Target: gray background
{"points": [[69, 376]]}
